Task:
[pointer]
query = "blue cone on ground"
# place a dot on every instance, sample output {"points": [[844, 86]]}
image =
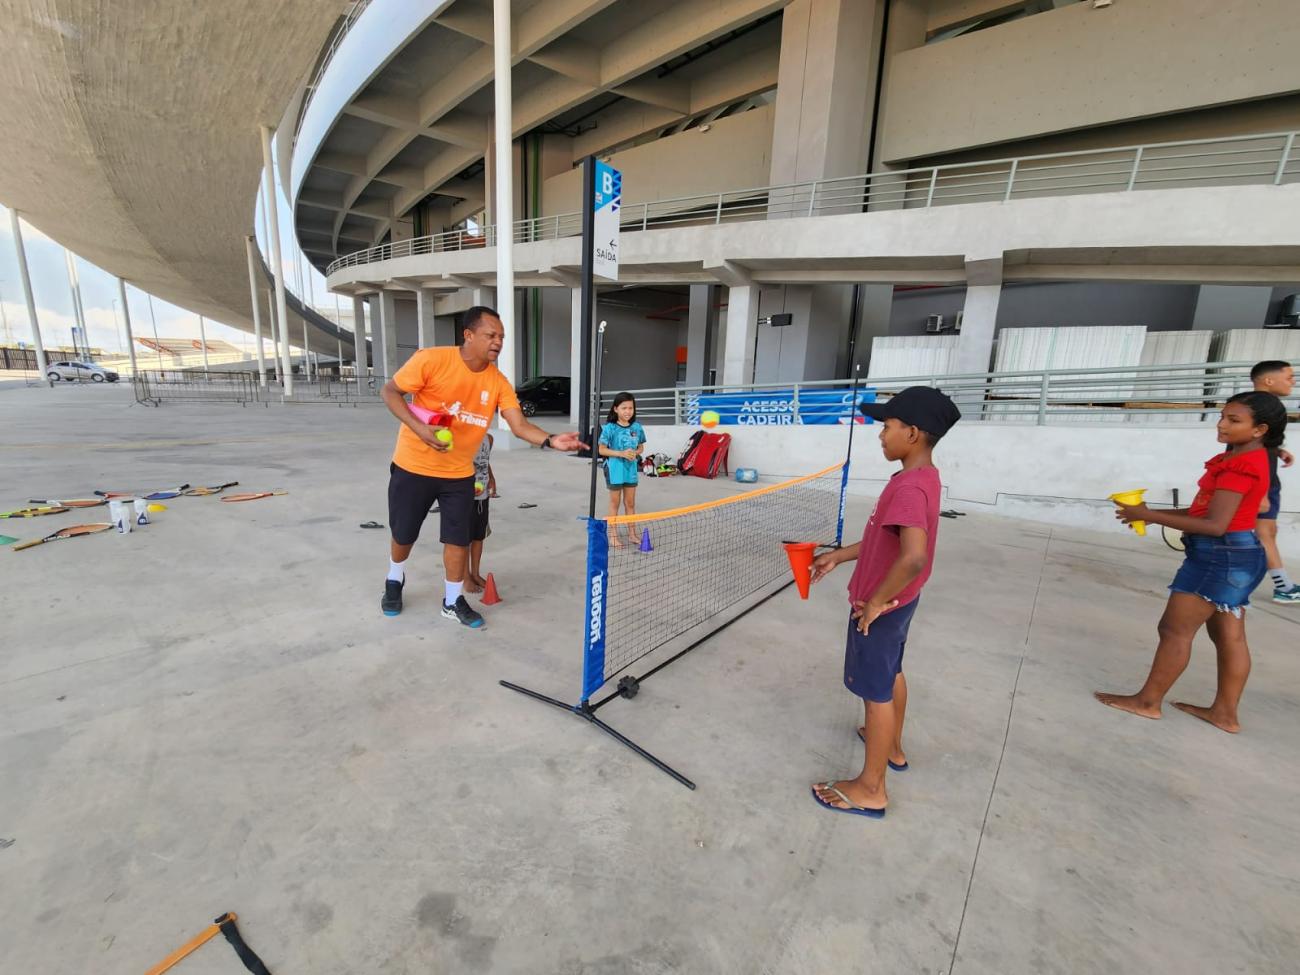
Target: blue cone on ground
{"points": [[645, 541]]}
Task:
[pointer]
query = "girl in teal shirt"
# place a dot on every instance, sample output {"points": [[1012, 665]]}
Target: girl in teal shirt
{"points": [[621, 443]]}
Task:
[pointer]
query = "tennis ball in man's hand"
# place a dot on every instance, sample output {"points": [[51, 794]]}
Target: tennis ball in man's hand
{"points": [[709, 419], [443, 436], [479, 486]]}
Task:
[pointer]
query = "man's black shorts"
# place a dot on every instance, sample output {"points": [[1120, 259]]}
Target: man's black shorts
{"points": [[410, 496]]}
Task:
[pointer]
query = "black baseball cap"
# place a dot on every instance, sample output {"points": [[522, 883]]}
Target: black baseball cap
{"points": [[923, 407]]}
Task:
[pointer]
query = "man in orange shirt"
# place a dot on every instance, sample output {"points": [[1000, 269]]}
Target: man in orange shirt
{"points": [[465, 384]]}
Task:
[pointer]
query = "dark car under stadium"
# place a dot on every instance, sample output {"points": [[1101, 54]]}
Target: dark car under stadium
{"points": [[544, 394]]}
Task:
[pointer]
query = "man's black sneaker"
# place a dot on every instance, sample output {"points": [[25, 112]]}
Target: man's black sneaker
{"points": [[462, 613], [391, 604]]}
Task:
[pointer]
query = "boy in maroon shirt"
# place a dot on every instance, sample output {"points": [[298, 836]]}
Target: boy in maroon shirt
{"points": [[894, 560]]}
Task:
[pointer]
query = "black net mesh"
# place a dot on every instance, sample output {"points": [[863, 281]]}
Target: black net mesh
{"points": [[707, 563]]}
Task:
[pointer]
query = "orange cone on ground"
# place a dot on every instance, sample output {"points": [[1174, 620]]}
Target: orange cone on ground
{"points": [[1132, 497], [490, 595], [800, 555]]}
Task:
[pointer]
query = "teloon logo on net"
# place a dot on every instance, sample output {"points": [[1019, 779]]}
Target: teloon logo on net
{"points": [[597, 607]]}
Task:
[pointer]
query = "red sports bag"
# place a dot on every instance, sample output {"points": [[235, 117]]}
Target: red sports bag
{"points": [[705, 455]]}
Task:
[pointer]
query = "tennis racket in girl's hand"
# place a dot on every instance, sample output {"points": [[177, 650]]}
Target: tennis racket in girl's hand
{"points": [[203, 492], [73, 503], [252, 495], [56, 509], [71, 531]]}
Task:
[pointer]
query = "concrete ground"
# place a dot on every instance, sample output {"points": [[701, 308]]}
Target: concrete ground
{"points": [[212, 715]]}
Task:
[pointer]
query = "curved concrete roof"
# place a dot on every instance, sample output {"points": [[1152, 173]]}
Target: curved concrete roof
{"points": [[403, 109], [131, 132]]}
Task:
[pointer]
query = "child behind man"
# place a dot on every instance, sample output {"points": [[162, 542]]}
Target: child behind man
{"points": [[485, 489]]}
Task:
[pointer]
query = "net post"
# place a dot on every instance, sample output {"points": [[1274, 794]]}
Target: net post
{"points": [[595, 604], [848, 454], [595, 416]]}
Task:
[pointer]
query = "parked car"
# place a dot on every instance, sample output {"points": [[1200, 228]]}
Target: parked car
{"points": [[73, 370], [544, 394]]}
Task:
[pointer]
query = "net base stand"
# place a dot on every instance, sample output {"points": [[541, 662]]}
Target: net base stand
{"points": [[588, 713]]}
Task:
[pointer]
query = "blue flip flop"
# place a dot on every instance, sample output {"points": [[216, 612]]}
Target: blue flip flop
{"points": [[849, 807], [897, 768]]}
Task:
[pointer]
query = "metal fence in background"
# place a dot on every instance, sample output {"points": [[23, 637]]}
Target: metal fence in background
{"points": [[1185, 394], [1266, 159], [153, 387]]}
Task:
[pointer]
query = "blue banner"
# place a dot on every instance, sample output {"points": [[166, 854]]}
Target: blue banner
{"points": [[593, 658], [776, 407]]}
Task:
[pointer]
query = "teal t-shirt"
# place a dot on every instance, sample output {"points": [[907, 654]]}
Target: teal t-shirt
{"points": [[620, 470]]}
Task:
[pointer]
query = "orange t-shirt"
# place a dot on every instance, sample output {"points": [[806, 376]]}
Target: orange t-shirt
{"points": [[438, 379]]}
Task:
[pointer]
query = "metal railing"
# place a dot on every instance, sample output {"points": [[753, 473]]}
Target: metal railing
{"points": [[331, 48], [1266, 159], [1191, 393], [153, 387]]}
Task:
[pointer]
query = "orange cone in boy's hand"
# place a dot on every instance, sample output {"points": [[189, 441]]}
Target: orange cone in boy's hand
{"points": [[490, 595], [800, 555]]}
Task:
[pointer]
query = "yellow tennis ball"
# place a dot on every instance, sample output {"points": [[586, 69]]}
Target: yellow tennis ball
{"points": [[444, 436], [709, 419], [479, 486]]}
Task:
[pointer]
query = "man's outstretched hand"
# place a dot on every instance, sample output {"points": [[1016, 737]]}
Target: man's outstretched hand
{"points": [[567, 442]]}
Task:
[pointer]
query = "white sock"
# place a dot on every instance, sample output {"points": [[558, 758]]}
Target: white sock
{"points": [[1281, 581], [453, 591], [396, 571]]}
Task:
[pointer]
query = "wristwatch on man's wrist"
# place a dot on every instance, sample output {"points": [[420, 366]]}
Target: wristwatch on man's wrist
{"points": [[545, 444]]}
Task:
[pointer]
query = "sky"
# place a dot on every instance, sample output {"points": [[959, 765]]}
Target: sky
{"points": [[99, 294]]}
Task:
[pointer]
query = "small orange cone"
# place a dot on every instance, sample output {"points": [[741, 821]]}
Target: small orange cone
{"points": [[800, 555], [490, 595]]}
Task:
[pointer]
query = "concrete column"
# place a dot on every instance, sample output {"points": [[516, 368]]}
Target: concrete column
{"points": [[576, 364], [502, 51], [978, 325], [826, 84], [1220, 306], [14, 222], [275, 330], [701, 333], [74, 286], [424, 318], [361, 359], [126, 317], [742, 323], [277, 266], [249, 246], [386, 357]]}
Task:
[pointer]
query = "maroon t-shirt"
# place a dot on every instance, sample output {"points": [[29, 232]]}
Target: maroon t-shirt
{"points": [[910, 500]]}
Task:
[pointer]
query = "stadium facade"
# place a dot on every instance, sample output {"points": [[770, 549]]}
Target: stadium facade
{"points": [[930, 172]]}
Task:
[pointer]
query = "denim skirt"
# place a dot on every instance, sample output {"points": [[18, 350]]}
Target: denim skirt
{"points": [[1223, 569]]}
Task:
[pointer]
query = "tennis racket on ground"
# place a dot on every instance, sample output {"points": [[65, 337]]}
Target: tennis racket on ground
{"points": [[71, 531], [55, 509], [203, 492], [73, 503], [252, 495], [165, 495]]}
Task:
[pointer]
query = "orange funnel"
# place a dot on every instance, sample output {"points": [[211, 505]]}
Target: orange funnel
{"points": [[800, 555], [1132, 497]]}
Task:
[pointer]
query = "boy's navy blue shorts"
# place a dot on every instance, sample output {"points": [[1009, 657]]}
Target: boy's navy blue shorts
{"points": [[871, 662]]}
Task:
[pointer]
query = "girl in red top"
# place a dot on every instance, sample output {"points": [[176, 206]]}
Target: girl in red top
{"points": [[1224, 563]]}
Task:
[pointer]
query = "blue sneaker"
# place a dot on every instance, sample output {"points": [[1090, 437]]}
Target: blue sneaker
{"points": [[462, 613], [1291, 595], [391, 604]]}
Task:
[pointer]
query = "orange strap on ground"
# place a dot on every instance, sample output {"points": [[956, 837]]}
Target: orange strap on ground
{"points": [[197, 941]]}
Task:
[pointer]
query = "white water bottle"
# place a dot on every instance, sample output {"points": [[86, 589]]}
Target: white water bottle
{"points": [[121, 517]]}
